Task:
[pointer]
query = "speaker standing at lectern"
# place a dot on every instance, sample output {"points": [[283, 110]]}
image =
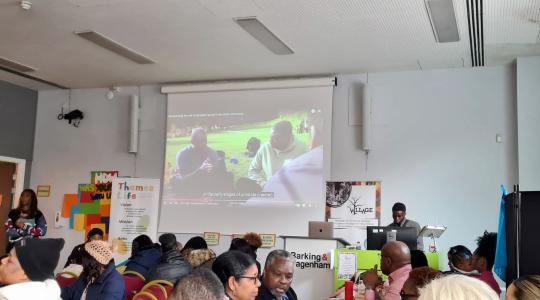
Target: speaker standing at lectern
{"points": [[399, 213]]}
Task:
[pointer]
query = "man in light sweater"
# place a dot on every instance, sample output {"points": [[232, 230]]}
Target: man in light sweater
{"points": [[280, 149], [27, 272]]}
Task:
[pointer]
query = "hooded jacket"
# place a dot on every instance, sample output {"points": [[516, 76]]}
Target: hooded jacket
{"points": [[43, 290], [171, 267]]}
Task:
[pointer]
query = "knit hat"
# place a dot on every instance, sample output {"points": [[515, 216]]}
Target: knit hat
{"points": [[398, 206], [100, 251], [39, 257]]}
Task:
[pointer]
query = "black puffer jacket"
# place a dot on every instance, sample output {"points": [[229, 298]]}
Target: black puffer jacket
{"points": [[171, 267]]}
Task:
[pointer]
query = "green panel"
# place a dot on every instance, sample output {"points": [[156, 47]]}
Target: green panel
{"points": [[367, 259], [90, 208]]}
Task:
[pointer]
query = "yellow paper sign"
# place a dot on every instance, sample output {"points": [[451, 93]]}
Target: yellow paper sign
{"points": [[43, 190], [212, 238], [268, 240]]}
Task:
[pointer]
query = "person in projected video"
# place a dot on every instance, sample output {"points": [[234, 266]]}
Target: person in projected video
{"points": [[281, 148], [198, 167], [301, 181]]}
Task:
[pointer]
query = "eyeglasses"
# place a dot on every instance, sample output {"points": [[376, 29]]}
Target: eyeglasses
{"points": [[405, 296], [254, 278]]}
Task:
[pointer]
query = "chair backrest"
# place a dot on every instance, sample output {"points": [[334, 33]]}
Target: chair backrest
{"points": [[144, 296], [158, 291], [134, 284], [65, 279]]}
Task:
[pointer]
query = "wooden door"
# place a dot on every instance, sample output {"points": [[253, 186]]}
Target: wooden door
{"points": [[7, 171]]}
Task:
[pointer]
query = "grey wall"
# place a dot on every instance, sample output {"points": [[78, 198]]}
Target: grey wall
{"points": [[528, 103], [433, 145], [17, 123]]}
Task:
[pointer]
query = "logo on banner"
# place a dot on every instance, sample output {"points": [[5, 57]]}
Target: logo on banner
{"points": [[308, 260], [356, 208]]}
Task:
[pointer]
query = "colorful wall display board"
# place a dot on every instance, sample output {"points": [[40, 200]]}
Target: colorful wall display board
{"points": [[352, 206], [134, 211], [91, 206]]}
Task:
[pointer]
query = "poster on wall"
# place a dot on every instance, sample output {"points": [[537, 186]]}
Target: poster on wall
{"points": [[134, 211], [352, 206]]}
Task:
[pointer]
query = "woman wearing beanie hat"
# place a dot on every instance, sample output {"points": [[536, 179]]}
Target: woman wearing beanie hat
{"points": [[99, 279], [25, 221]]}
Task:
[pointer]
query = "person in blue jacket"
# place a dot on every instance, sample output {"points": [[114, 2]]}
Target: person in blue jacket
{"points": [[144, 255], [25, 221], [99, 279]]}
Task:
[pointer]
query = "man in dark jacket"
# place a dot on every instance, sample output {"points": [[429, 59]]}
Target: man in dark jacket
{"points": [[172, 265], [278, 275]]}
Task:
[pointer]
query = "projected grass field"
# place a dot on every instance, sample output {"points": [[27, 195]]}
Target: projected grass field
{"points": [[233, 142]]}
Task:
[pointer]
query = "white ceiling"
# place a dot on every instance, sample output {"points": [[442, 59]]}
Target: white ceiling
{"points": [[193, 40]]}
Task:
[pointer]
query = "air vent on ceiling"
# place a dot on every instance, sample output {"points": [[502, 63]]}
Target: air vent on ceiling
{"points": [[109, 44], [262, 34], [476, 31], [13, 65]]}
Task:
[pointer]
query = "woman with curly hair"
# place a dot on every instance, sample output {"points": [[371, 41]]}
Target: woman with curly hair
{"points": [[99, 279], [25, 221], [418, 278]]}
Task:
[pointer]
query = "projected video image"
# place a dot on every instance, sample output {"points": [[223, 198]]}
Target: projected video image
{"points": [[244, 157]]}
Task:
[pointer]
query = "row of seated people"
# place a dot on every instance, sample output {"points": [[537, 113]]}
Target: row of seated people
{"points": [[27, 271]]}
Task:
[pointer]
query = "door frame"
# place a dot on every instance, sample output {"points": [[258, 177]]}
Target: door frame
{"points": [[20, 170]]}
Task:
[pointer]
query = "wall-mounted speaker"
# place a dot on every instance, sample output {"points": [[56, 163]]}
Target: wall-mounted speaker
{"points": [[366, 118], [133, 123]]}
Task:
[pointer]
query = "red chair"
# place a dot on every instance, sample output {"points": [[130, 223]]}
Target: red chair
{"points": [[65, 279], [133, 285], [144, 296], [161, 289]]}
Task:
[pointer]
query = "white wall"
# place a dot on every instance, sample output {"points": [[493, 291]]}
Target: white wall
{"points": [[433, 145], [528, 112]]}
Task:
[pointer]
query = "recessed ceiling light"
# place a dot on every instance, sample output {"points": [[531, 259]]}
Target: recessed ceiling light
{"points": [[262, 34], [443, 20], [107, 43]]}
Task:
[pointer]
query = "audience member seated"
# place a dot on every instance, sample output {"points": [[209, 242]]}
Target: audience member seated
{"points": [[396, 263], [200, 284], [278, 276], [172, 264], [243, 246], [99, 279], [460, 261], [27, 271], [95, 234], [238, 273], [484, 257], [255, 242], [144, 255], [418, 259], [418, 278], [457, 287], [524, 288], [196, 252]]}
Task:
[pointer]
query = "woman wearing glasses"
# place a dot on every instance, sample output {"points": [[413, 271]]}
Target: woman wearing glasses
{"points": [[239, 275]]}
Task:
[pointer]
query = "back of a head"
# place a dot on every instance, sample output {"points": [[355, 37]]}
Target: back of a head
{"points": [[195, 243], [423, 276], [459, 253], [418, 259], [39, 257], [140, 243], [167, 241], [526, 288], [457, 287], [242, 246], [200, 284], [283, 128], [231, 263], [253, 239], [487, 245]]}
